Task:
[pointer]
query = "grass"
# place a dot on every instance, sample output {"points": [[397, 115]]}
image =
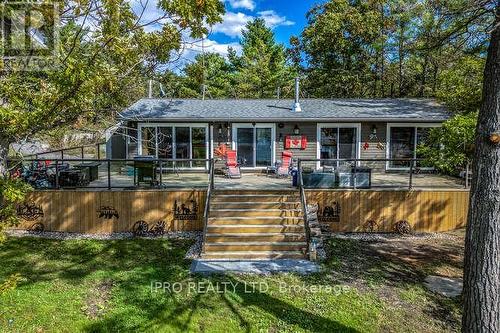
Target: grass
{"points": [[102, 286]]}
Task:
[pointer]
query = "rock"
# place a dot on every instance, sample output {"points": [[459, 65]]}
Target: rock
{"points": [[447, 287]]}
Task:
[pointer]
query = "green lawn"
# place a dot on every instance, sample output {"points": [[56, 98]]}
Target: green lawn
{"points": [[84, 285]]}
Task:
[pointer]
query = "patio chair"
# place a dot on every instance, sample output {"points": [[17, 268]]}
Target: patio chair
{"points": [[232, 167], [283, 169]]}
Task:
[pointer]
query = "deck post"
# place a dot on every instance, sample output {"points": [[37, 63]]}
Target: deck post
{"points": [[109, 175], [161, 172], [98, 151], [467, 167], [62, 154], [410, 185], [57, 174], [82, 152]]}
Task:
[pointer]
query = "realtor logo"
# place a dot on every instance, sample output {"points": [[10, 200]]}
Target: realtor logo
{"points": [[29, 34]]}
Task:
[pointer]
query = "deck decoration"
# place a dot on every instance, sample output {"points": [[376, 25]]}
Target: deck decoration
{"points": [[296, 142], [140, 228], [329, 213], [371, 225], [402, 227], [183, 212], [107, 212], [37, 228], [30, 211]]}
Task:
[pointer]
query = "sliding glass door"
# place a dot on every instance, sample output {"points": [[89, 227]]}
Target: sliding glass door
{"points": [[175, 141], [404, 140], [337, 141], [254, 144], [244, 146]]}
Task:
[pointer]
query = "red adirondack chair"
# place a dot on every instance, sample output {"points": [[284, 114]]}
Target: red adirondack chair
{"points": [[232, 166], [286, 161]]}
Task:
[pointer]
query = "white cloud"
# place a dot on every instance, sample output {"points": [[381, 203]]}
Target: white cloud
{"points": [[244, 4], [273, 19], [233, 23], [191, 48]]}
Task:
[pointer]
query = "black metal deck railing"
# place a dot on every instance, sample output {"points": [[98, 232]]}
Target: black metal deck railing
{"points": [[109, 173], [357, 168]]}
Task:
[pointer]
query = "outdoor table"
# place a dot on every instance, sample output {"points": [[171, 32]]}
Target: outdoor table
{"points": [[93, 169], [73, 178]]}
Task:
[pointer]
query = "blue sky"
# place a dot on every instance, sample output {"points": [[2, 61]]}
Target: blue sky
{"points": [[284, 17]]}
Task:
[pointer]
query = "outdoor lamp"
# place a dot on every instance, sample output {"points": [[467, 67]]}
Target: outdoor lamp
{"points": [[296, 130], [374, 130], [220, 129]]}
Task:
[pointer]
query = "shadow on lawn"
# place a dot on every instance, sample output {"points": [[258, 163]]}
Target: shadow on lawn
{"points": [[179, 317], [132, 265], [398, 264]]}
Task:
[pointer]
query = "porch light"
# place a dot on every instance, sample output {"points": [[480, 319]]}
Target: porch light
{"points": [[374, 130], [220, 129], [296, 130]]}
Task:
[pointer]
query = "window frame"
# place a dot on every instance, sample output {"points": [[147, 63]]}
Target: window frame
{"points": [[155, 125], [388, 141], [338, 126]]}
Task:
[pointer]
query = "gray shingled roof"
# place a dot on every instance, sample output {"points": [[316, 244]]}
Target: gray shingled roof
{"points": [[280, 110]]}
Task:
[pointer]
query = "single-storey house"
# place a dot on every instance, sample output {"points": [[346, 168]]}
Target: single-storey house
{"points": [[261, 129]]}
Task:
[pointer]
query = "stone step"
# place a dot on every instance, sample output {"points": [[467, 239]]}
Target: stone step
{"points": [[254, 255], [248, 228], [258, 237], [255, 205], [239, 220], [255, 212], [254, 246]]}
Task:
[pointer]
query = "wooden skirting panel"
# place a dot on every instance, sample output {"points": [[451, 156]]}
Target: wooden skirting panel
{"points": [[118, 211], [112, 211], [426, 211]]}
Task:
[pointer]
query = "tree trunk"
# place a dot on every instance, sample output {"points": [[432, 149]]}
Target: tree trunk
{"points": [[482, 243], [4, 152]]}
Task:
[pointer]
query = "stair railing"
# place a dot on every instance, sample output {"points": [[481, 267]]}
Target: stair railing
{"points": [[303, 201], [206, 212]]}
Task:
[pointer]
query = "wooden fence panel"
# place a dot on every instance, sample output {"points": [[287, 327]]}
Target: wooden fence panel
{"points": [[117, 211]]}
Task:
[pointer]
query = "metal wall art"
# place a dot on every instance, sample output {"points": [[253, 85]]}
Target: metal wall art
{"points": [[183, 212], [30, 211], [141, 228], [36, 228], [107, 212], [329, 213]]}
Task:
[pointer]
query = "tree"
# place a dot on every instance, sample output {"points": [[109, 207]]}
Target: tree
{"points": [[460, 86], [450, 147], [211, 70], [262, 68], [338, 46], [482, 243], [99, 69]]}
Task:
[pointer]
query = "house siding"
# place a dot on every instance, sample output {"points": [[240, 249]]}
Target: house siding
{"points": [[373, 147], [307, 129]]}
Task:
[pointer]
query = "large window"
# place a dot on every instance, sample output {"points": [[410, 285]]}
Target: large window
{"points": [[182, 141], [403, 140], [337, 141]]}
